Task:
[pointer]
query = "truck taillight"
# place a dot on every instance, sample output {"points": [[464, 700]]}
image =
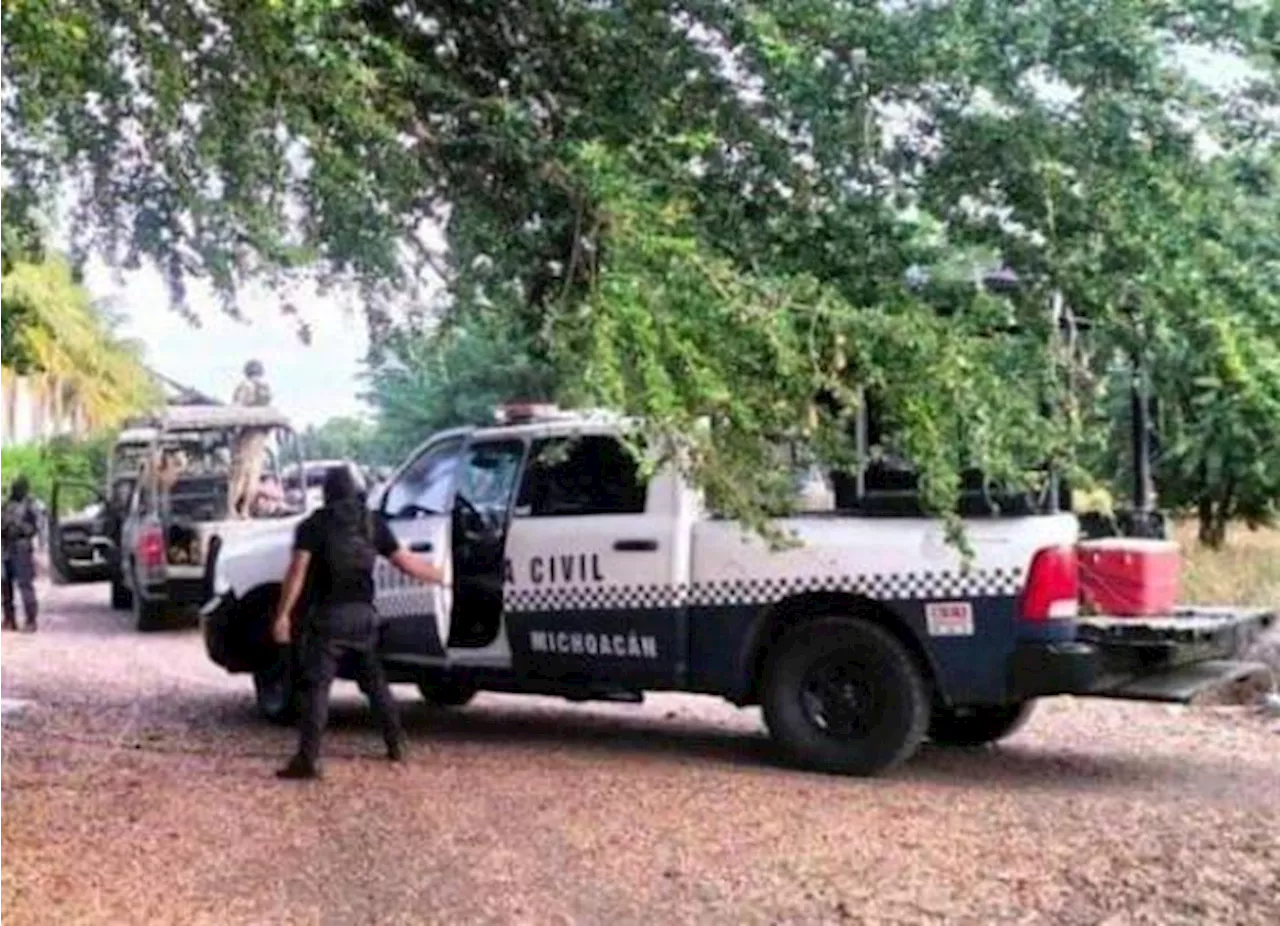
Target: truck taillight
{"points": [[151, 548], [1053, 585]]}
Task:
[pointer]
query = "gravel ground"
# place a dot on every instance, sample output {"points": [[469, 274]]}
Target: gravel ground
{"points": [[137, 788]]}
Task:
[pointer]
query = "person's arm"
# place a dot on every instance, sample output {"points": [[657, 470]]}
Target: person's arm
{"points": [[33, 520], [416, 567], [386, 543], [289, 595]]}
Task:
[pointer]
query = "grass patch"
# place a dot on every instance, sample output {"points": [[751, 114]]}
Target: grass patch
{"points": [[1244, 572]]}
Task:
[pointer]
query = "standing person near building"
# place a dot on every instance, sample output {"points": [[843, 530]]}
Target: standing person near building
{"points": [[246, 463], [21, 529], [334, 553]]}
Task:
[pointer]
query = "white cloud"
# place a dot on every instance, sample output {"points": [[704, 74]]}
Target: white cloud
{"points": [[311, 382]]}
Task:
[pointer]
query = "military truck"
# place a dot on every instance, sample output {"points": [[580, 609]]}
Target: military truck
{"points": [[153, 526]]}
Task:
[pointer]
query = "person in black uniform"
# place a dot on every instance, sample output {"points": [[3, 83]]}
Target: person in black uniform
{"points": [[21, 528], [334, 553]]}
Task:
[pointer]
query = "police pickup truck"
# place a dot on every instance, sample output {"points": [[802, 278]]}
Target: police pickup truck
{"points": [[570, 574]]}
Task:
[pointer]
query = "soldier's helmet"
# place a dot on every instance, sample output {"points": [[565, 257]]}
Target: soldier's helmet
{"points": [[253, 368]]}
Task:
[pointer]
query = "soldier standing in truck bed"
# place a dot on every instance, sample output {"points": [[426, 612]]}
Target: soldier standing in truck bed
{"points": [[246, 464]]}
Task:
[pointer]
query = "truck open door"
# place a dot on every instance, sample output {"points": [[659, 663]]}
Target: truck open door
{"points": [[82, 547], [417, 505]]}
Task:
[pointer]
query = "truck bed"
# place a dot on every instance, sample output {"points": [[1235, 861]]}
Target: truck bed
{"points": [[1174, 657]]}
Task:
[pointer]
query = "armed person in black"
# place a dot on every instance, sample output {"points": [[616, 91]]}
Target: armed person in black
{"points": [[334, 553], [21, 528]]}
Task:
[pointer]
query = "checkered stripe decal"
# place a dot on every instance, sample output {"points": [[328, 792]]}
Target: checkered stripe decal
{"points": [[405, 603], [400, 596], [902, 586]]}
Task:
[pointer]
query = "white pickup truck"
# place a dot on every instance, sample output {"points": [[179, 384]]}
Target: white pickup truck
{"points": [[175, 499], [569, 574]]}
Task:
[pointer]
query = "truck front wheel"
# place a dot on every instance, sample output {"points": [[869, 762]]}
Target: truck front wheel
{"points": [[842, 694], [977, 726], [446, 692]]}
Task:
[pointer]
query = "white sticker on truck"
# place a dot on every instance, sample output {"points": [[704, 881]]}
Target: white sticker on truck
{"points": [[949, 618]]}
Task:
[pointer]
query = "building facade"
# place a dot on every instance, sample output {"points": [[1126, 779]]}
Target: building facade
{"points": [[36, 408]]}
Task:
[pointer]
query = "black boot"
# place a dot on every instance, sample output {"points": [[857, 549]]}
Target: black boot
{"points": [[298, 769], [395, 750], [9, 624]]}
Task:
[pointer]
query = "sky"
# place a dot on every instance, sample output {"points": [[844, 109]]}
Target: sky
{"points": [[311, 383]]}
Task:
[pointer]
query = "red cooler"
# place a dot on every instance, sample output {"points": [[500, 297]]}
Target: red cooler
{"points": [[1129, 577]]}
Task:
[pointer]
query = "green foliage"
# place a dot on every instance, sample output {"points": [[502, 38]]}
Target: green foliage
{"points": [[672, 333], [52, 327], [702, 210], [454, 376], [345, 438], [1207, 326], [59, 460]]}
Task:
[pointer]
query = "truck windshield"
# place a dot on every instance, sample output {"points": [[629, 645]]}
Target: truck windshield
{"points": [[127, 459], [197, 454]]}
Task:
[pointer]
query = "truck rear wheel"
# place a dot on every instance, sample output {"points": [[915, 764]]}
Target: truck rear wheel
{"points": [[121, 597], [842, 694], [147, 615], [977, 726], [276, 691]]}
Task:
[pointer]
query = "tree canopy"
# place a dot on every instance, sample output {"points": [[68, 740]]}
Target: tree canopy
{"points": [[52, 328], [709, 209]]}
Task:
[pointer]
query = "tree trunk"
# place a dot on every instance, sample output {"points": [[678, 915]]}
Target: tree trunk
{"points": [[1213, 524], [9, 382]]}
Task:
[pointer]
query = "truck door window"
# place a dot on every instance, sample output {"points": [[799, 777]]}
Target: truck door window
{"points": [[489, 477], [422, 488], [581, 476]]}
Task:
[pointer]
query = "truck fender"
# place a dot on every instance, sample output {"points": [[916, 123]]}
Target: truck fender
{"points": [[249, 628]]}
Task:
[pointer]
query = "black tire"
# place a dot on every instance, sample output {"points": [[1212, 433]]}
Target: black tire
{"points": [[842, 694], [147, 615], [121, 597], [977, 726], [446, 692], [277, 692]]}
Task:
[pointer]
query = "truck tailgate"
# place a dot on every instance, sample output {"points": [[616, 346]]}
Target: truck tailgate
{"points": [[1175, 656]]}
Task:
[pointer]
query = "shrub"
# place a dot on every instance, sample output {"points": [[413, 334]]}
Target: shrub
{"points": [[61, 459]]}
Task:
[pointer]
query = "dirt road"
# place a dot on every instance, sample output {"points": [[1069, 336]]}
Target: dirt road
{"points": [[138, 789]]}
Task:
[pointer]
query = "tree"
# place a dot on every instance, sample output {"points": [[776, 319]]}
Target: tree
{"points": [[53, 331], [695, 211], [430, 380], [1213, 355], [343, 438]]}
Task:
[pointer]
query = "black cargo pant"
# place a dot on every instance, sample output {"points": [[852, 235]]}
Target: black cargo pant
{"points": [[20, 571], [336, 632]]}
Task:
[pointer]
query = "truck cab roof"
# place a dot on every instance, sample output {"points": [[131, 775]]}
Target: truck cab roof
{"points": [[539, 421], [216, 418], [136, 435]]}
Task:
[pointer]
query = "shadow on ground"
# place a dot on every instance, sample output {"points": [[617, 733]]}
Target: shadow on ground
{"points": [[223, 724]]}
